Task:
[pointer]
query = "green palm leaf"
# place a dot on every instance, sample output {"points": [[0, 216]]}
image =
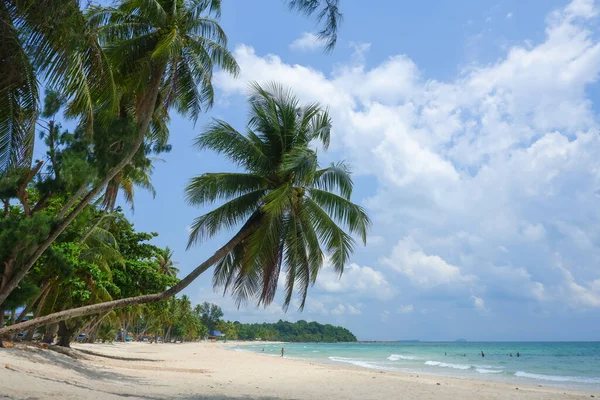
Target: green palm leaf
{"points": [[290, 209]]}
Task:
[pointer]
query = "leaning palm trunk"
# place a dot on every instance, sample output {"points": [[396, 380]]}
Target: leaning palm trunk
{"points": [[246, 230], [93, 227], [146, 110], [42, 294]]}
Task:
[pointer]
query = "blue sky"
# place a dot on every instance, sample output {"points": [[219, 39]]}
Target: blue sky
{"points": [[472, 130]]}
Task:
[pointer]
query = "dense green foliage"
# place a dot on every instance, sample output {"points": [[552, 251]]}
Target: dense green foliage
{"points": [[300, 331], [119, 72]]}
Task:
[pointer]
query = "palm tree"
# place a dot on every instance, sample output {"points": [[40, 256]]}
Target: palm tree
{"points": [[46, 40], [163, 52], [288, 207], [166, 264], [327, 12]]}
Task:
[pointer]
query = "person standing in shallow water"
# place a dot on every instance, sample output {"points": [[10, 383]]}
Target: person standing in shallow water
{"points": [[282, 351], [482, 355]]}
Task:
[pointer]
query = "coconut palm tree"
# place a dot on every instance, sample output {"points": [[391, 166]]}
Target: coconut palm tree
{"points": [[289, 208], [166, 264], [162, 52]]}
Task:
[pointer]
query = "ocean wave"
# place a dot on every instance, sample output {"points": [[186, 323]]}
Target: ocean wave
{"points": [[447, 365], [353, 361], [396, 357], [557, 378], [488, 371]]}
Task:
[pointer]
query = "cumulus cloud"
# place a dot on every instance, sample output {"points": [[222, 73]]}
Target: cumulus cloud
{"points": [[478, 303], [407, 309], [356, 281], [422, 269], [307, 42], [341, 309], [504, 153], [577, 294]]}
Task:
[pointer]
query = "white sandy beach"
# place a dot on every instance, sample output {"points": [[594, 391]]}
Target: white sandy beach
{"points": [[209, 371]]}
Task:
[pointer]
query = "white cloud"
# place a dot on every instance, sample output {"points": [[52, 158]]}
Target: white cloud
{"points": [[478, 303], [407, 309], [384, 316], [421, 269], [356, 281], [581, 8], [576, 294], [504, 152], [533, 232], [375, 240], [341, 309], [307, 42], [509, 15], [515, 283]]}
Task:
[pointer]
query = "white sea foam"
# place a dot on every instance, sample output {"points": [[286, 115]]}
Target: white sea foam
{"points": [[396, 357], [488, 371], [447, 365], [556, 378], [352, 361]]}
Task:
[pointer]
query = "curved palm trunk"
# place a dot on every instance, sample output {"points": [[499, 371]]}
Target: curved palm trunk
{"points": [[42, 294], [38, 310], [91, 230], [246, 230], [146, 108]]}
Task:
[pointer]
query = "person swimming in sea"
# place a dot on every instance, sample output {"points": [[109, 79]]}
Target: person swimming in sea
{"points": [[518, 354], [511, 354], [482, 354]]}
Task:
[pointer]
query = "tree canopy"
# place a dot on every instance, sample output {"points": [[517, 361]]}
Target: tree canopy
{"points": [[68, 254]]}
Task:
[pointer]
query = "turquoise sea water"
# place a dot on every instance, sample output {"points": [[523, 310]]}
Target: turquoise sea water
{"points": [[563, 364]]}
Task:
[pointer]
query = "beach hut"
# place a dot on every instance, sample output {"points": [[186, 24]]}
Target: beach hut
{"points": [[215, 335]]}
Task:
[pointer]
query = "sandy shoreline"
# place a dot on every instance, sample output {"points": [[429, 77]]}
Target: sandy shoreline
{"points": [[209, 371]]}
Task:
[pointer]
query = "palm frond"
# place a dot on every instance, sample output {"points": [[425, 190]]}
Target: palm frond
{"points": [[18, 96], [226, 216], [344, 211], [211, 187], [338, 244], [336, 177], [222, 138], [327, 13]]}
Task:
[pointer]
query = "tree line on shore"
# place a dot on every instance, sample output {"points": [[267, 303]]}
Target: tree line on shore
{"points": [[300, 331], [67, 252]]}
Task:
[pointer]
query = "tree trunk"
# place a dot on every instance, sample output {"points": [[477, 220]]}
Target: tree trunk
{"points": [[167, 338], [43, 292], [246, 230], [146, 109], [38, 310], [50, 332], [65, 334], [91, 230]]}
